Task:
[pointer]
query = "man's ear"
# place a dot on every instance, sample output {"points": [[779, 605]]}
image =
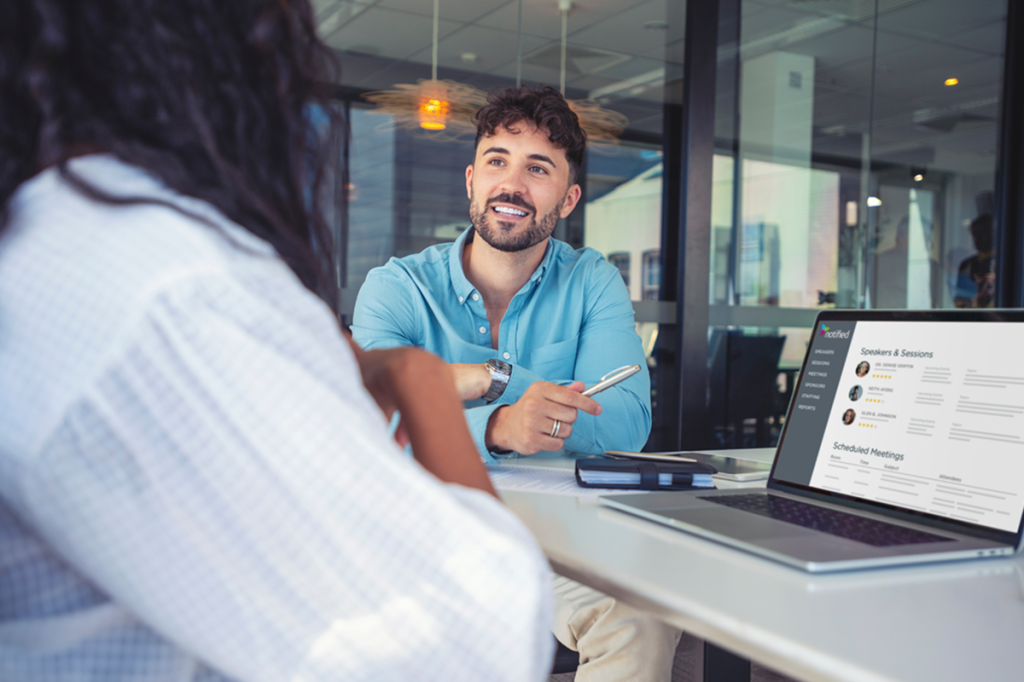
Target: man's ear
{"points": [[469, 181], [572, 197]]}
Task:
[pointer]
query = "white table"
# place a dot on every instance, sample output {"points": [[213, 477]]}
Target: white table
{"points": [[954, 621]]}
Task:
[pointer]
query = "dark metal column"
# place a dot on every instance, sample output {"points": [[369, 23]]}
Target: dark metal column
{"points": [[697, 148], [1009, 194]]}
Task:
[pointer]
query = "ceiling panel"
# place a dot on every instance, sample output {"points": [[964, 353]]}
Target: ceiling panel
{"points": [[846, 43], [388, 33], [979, 80], [626, 32], [542, 18], [910, 57], [531, 73], [750, 7], [990, 39], [462, 11], [492, 48], [938, 18], [778, 26], [847, 110]]}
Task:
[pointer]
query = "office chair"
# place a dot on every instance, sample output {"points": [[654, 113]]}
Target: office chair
{"points": [[742, 385]]}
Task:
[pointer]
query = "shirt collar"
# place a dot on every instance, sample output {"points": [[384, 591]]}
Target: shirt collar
{"points": [[464, 288]]}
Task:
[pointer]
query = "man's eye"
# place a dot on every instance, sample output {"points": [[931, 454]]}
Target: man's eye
{"points": [[538, 169], [496, 162]]}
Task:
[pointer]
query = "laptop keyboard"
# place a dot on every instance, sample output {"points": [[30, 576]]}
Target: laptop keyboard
{"points": [[849, 526]]}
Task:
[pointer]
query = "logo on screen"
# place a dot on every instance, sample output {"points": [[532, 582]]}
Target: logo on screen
{"points": [[830, 333]]}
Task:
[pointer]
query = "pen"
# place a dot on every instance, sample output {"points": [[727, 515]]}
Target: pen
{"points": [[609, 380], [653, 456]]}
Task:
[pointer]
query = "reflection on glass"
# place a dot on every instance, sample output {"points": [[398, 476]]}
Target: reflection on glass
{"points": [[856, 165], [623, 220], [623, 210], [371, 236]]}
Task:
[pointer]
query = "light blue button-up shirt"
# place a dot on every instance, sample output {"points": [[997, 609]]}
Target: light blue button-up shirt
{"points": [[572, 321]]}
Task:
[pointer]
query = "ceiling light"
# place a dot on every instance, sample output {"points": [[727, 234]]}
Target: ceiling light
{"points": [[918, 173], [874, 202], [432, 105], [433, 114], [952, 81]]}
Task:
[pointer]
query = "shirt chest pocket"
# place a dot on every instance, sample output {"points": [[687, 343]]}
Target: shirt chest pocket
{"points": [[554, 361]]}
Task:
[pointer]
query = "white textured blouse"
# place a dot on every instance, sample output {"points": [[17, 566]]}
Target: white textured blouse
{"points": [[194, 484]]}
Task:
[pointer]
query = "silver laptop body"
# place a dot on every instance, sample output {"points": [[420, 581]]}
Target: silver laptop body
{"points": [[931, 440]]}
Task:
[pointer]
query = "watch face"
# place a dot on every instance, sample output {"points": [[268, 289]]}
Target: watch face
{"points": [[499, 366]]}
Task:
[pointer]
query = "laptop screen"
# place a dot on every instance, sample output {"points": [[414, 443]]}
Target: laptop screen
{"points": [[927, 416]]}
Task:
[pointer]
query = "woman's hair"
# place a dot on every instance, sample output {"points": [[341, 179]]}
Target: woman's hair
{"points": [[215, 98]]}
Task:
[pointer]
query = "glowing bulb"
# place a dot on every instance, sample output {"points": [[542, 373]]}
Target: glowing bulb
{"points": [[952, 81], [874, 201], [433, 113], [919, 177]]}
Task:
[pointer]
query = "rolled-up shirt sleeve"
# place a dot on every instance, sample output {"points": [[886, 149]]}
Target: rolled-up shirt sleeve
{"points": [[607, 341], [227, 480]]}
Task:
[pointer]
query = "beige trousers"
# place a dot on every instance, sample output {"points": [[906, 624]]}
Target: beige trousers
{"points": [[616, 642]]}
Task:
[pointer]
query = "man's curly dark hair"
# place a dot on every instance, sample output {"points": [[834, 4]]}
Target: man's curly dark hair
{"points": [[212, 97], [545, 108]]}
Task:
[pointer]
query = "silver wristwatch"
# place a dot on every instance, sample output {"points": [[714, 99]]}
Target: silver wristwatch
{"points": [[500, 372]]}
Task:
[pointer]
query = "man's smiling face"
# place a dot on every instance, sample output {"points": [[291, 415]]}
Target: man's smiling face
{"points": [[518, 187]]}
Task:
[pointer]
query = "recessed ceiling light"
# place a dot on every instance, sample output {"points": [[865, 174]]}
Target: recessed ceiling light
{"points": [[952, 81]]}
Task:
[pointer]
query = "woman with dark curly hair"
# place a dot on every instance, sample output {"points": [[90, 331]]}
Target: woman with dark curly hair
{"points": [[195, 481]]}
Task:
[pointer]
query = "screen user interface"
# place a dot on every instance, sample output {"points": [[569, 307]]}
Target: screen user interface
{"points": [[928, 416]]}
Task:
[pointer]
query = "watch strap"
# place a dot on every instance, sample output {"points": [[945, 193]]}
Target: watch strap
{"points": [[500, 373]]}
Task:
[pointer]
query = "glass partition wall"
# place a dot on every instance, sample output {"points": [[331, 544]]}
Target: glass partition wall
{"points": [[855, 167], [855, 155]]}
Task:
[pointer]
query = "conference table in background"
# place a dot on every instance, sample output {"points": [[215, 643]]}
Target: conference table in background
{"points": [[953, 621]]}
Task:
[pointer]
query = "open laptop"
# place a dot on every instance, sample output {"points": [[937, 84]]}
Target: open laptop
{"points": [[904, 443]]}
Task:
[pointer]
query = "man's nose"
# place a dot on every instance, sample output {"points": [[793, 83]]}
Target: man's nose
{"points": [[514, 181]]}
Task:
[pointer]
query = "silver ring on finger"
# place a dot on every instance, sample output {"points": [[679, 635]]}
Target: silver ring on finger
{"points": [[555, 429]]}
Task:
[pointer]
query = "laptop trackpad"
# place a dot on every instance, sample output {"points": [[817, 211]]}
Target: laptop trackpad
{"points": [[735, 524]]}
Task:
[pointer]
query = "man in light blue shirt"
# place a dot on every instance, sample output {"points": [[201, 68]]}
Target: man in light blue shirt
{"points": [[526, 323], [550, 319]]}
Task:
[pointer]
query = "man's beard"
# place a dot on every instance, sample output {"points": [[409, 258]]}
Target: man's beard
{"points": [[502, 237]]}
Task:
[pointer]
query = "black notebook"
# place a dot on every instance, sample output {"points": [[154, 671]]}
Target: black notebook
{"points": [[638, 475]]}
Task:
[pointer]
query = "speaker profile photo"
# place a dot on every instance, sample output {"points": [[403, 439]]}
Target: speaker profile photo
{"points": [[863, 367], [849, 416], [856, 392]]}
